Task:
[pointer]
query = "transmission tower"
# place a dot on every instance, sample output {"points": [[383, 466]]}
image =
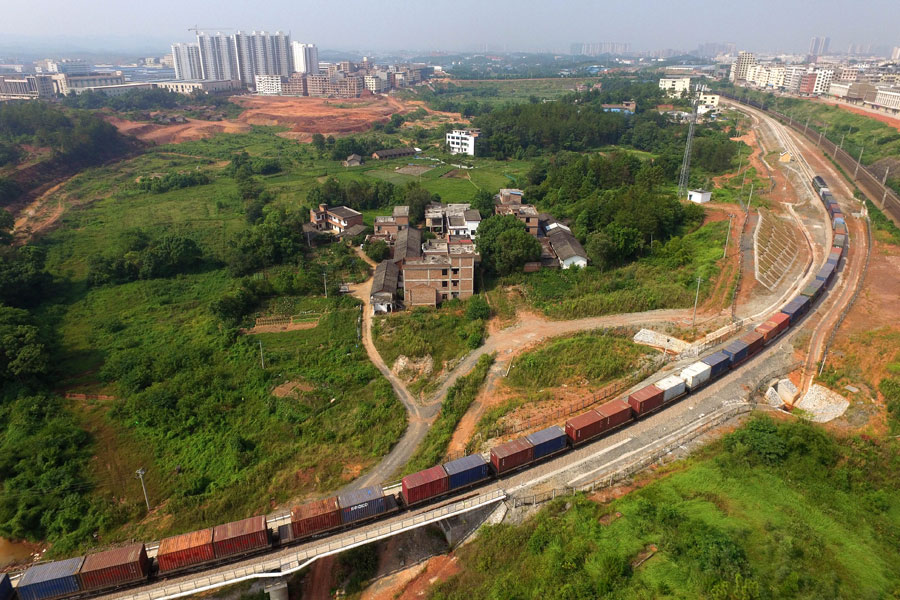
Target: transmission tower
{"points": [[686, 163]]}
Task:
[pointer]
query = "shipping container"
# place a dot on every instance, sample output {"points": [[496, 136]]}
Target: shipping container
{"points": [[180, 551], [718, 363], [585, 427], [839, 221], [547, 441], [241, 537], [511, 455], [767, 330], [824, 192], [796, 308], [782, 320], [672, 387], [424, 485], [6, 589], [813, 290], [825, 273], [362, 504], [617, 412], [695, 375], [467, 471], [313, 517], [115, 567], [836, 253], [285, 534], [50, 580], [645, 400], [737, 352], [840, 230], [754, 343]]}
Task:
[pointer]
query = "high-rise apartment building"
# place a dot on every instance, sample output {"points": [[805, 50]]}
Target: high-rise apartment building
{"points": [[306, 58], [186, 59], [895, 55], [261, 53], [741, 65], [217, 58], [819, 46]]}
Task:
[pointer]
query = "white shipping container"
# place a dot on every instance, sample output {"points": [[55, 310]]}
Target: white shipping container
{"points": [[672, 387], [696, 375]]}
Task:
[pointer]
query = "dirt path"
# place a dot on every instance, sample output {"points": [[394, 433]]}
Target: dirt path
{"points": [[40, 215], [420, 419]]}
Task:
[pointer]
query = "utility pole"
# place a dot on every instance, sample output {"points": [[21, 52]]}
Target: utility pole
{"points": [[806, 126], [325, 279], [858, 160], [820, 136], [140, 474], [884, 185], [841, 145], [696, 298], [749, 198], [727, 235], [262, 361]]}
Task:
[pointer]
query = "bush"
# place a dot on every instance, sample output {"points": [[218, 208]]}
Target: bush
{"points": [[477, 308], [377, 250]]}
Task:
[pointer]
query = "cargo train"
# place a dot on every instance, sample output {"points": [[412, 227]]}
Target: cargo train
{"points": [[129, 566]]}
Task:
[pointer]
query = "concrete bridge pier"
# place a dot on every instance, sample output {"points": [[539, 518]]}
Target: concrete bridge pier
{"points": [[277, 589], [447, 528]]}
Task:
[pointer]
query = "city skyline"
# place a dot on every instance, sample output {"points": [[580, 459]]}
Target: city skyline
{"points": [[645, 25]]}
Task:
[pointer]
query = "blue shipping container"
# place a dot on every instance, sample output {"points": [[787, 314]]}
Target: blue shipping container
{"points": [[718, 363], [362, 504], [839, 221], [736, 351], [547, 441], [6, 590], [826, 272], [467, 470], [796, 308], [50, 580]]}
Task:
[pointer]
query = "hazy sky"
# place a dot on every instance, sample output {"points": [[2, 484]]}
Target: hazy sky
{"points": [[529, 25]]}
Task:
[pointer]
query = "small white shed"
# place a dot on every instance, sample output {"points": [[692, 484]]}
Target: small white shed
{"points": [[699, 196]]}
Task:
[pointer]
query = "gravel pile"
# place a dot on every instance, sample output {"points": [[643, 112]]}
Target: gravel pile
{"points": [[649, 337], [822, 405]]}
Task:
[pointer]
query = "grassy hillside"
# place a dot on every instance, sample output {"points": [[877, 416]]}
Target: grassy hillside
{"points": [[774, 510]]}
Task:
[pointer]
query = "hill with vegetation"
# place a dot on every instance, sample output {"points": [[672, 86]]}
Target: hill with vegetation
{"points": [[772, 510]]}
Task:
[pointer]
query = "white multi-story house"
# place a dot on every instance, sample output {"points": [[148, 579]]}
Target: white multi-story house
{"points": [[674, 86], [741, 65], [268, 85], [462, 141], [823, 81]]}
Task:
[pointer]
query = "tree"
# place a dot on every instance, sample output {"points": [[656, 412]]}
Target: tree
{"points": [[377, 250], [23, 352], [318, 142], [483, 202], [477, 308], [515, 248], [417, 198], [7, 222], [492, 241]]}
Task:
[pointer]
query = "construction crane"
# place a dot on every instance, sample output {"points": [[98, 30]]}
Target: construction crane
{"points": [[198, 29], [686, 162]]}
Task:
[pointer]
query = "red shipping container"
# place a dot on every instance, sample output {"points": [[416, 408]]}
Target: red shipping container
{"points": [[754, 341], [184, 550], [510, 455], [585, 427], [767, 330], [313, 517], [617, 412], [782, 320], [114, 567], [240, 537], [645, 399], [424, 485]]}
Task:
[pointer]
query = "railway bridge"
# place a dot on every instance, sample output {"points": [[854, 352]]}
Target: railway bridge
{"points": [[276, 567]]}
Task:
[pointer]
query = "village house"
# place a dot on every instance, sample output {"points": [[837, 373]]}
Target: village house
{"points": [[383, 294], [354, 160], [335, 218]]}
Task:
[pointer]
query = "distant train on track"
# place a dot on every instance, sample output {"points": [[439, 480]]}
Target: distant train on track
{"points": [[129, 566]]}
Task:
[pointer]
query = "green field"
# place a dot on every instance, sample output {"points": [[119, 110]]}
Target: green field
{"points": [[593, 358], [665, 279], [771, 511]]}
